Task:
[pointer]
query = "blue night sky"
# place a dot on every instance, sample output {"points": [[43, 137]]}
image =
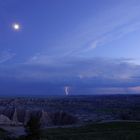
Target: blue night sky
{"points": [[75, 46]]}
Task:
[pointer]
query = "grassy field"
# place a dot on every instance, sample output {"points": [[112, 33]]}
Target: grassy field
{"points": [[104, 131], [98, 131], [3, 134]]}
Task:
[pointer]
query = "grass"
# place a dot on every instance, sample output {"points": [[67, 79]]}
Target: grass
{"points": [[3, 134], [102, 131], [96, 131]]}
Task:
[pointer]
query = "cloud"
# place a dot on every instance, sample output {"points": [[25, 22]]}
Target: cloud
{"points": [[95, 30], [5, 56], [113, 35], [108, 36], [74, 70], [96, 75], [111, 25]]}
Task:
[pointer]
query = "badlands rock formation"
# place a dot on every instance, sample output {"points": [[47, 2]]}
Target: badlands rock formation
{"points": [[5, 120], [17, 117]]}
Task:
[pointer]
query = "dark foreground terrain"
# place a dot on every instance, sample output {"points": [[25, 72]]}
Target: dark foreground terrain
{"points": [[97, 131], [110, 117], [103, 131]]}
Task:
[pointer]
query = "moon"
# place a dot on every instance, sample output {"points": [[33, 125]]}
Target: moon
{"points": [[16, 26]]}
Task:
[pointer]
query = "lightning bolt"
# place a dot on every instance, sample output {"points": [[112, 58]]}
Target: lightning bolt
{"points": [[66, 90]]}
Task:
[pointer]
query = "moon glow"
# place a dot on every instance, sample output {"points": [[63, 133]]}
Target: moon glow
{"points": [[16, 26]]}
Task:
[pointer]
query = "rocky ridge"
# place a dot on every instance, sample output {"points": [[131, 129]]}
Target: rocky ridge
{"points": [[18, 117]]}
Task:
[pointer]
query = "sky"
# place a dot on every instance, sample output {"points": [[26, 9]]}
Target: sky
{"points": [[69, 47]]}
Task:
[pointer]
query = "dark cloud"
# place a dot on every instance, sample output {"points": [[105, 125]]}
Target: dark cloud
{"points": [[81, 75]]}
